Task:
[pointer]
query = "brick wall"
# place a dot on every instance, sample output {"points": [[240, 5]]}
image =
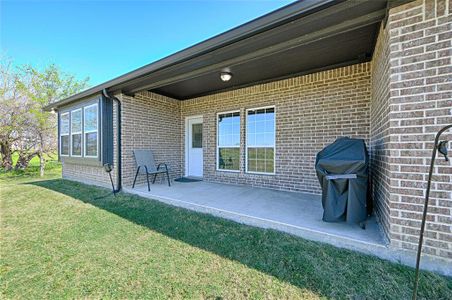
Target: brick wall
{"points": [[420, 104], [311, 112], [150, 121], [86, 174], [379, 130]]}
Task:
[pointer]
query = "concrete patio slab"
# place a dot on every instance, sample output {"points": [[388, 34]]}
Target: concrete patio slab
{"points": [[299, 214]]}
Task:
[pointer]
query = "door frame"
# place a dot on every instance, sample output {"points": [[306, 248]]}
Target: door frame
{"points": [[187, 141]]}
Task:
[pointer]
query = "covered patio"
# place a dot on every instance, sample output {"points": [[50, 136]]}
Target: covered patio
{"points": [[292, 212], [254, 106]]}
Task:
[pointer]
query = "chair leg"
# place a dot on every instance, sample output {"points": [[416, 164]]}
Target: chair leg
{"points": [[167, 176], [135, 179], [147, 178], [153, 180]]}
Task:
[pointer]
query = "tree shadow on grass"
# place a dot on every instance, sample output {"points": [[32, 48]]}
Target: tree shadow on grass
{"points": [[320, 268]]}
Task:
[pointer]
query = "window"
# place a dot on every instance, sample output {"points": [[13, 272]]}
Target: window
{"points": [[90, 125], [260, 140], [228, 144], [76, 132], [64, 134], [196, 131]]}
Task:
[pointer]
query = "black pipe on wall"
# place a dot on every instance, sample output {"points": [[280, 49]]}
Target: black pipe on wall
{"points": [[118, 131]]}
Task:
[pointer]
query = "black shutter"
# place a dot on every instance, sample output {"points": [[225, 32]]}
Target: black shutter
{"points": [[58, 138]]}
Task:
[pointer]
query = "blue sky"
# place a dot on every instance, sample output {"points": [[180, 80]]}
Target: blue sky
{"points": [[105, 39]]}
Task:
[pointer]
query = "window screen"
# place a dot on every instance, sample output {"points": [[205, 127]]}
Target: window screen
{"points": [[228, 125], [90, 127], [260, 140], [76, 132], [64, 134]]}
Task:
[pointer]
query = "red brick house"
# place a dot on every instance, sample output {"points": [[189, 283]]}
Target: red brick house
{"points": [[313, 71]]}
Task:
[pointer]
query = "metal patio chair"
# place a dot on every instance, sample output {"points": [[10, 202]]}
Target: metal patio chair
{"points": [[145, 162]]}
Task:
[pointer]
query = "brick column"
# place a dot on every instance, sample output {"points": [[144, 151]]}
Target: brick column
{"points": [[420, 93]]}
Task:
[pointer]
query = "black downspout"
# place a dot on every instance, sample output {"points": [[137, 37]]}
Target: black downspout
{"points": [[118, 132]]}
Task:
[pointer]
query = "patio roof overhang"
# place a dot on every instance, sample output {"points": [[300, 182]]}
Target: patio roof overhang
{"points": [[300, 38]]}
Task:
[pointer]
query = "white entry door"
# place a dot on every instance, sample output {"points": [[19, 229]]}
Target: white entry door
{"points": [[193, 155]]}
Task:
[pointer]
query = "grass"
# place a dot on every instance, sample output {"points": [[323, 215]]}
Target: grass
{"points": [[52, 168], [59, 241]]}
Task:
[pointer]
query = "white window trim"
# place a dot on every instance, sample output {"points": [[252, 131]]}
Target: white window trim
{"points": [[90, 131], [218, 140], [78, 132], [259, 146], [65, 134]]}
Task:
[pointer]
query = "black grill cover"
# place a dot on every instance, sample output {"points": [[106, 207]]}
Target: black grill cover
{"points": [[342, 169]]}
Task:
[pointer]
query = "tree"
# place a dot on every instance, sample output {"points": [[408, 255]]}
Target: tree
{"points": [[26, 127], [42, 88], [13, 113], [14, 122]]}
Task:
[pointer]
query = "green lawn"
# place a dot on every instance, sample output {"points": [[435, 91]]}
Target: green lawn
{"points": [[58, 241], [53, 168]]}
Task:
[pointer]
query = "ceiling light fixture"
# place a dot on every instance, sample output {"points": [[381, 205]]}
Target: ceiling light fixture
{"points": [[225, 76]]}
